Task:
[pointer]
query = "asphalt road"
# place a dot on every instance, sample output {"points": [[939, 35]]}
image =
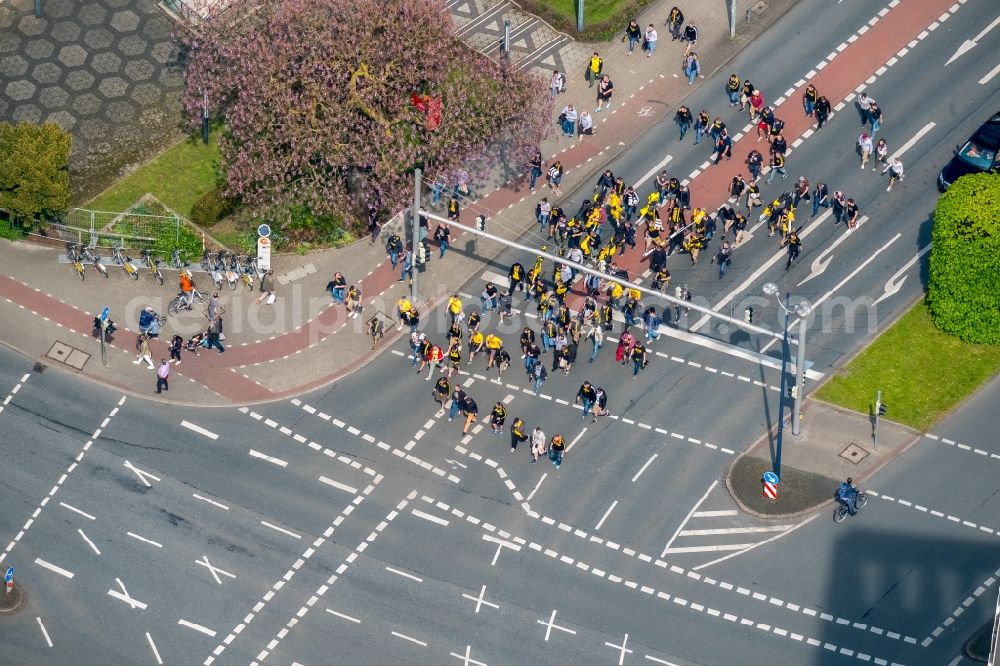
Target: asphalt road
{"points": [[357, 525]]}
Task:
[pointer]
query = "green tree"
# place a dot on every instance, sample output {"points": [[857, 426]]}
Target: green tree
{"points": [[34, 176], [964, 285]]}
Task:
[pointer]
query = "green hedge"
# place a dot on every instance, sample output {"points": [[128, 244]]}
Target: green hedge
{"points": [[963, 292]]}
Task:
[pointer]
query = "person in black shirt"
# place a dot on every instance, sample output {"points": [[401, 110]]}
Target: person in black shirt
{"points": [[683, 119], [471, 411]]}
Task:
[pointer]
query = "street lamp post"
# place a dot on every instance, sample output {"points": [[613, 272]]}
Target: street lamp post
{"points": [[802, 310]]}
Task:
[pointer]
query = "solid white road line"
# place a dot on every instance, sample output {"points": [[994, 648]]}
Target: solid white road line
{"points": [[989, 77], [404, 574], [51, 567], [198, 429], [212, 502], [340, 486], [74, 509], [141, 538], [643, 468], [152, 646], [688, 517], [913, 140], [143, 475], [660, 661], [197, 627], [759, 543], [575, 440], [708, 549], [714, 514], [125, 596], [535, 489], [606, 514], [279, 529], [737, 530], [276, 461], [346, 617], [652, 172], [44, 632], [89, 542], [408, 638], [426, 516]]}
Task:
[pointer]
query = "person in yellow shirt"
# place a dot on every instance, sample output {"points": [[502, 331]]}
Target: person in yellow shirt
{"points": [[616, 292], [493, 346], [594, 68], [455, 308], [403, 308], [477, 341]]}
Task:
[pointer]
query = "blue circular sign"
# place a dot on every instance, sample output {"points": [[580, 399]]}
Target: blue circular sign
{"points": [[770, 477], [264, 231]]}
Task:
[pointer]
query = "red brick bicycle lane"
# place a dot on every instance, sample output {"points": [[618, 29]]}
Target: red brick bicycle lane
{"points": [[837, 80]]}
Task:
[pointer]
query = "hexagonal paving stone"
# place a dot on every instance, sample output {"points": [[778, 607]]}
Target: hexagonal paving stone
{"points": [[118, 4], [125, 21], [159, 27], [59, 9], [80, 79], [64, 119], [39, 49], [139, 70], [146, 94], [93, 129], [53, 97], [132, 45], [73, 55], [13, 66], [46, 72], [29, 113], [87, 104], [106, 62], [20, 90], [30, 26], [6, 17], [92, 14], [9, 42], [65, 31], [113, 86], [99, 38], [164, 52], [120, 111], [171, 78], [128, 134]]}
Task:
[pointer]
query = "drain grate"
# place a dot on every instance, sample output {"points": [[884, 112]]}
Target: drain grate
{"points": [[759, 8]]}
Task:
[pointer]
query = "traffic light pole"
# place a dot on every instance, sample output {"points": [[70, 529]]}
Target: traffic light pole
{"points": [[800, 378], [684, 304], [415, 214], [781, 391], [878, 412]]}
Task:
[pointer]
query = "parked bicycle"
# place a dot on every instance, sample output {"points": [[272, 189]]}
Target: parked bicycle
{"points": [[153, 264], [232, 270], [207, 260], [178, 260], [73, 254], [247, 271], [95, 261], [125, 262]]}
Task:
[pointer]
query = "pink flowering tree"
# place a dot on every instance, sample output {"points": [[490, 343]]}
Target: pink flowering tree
{"points": [[333, 103]]}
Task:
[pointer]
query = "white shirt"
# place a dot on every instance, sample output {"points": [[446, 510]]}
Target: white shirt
{"points": [[650, 34], [866, 143], [576, 254], [537, 439], [586, 122], [570, 113], [545, 207]]}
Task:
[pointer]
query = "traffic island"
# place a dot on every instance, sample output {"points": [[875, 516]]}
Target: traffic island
{"points": [[11, 600], [799, 491], [832, 445]]}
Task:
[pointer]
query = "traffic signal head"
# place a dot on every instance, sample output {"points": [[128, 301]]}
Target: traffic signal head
{"points": [[481, 222], [748, 314], [881, 409]]}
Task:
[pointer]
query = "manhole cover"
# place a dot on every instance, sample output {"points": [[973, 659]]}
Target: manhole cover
{"points": [[11, 602], [71, 356], [759, 8], [854, 453]]}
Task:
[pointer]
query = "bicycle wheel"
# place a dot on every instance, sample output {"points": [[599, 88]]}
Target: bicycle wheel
{"points": [[134, 272], [839, 513], [174, 306], [159, 276], [861, 500]]}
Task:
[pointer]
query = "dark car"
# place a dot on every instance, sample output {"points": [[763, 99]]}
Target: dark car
{"points": [[977, 155]]}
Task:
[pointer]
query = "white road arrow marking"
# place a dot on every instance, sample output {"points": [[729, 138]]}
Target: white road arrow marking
{"points": [[820, 263], [895, 283], [141, 474], [970, 44]]}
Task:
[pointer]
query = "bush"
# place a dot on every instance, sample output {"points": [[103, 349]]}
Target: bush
{"points": [[210, 207], [963, 293]]}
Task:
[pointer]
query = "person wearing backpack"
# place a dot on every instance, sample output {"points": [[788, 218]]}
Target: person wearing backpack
{"points": [[393, 247]]}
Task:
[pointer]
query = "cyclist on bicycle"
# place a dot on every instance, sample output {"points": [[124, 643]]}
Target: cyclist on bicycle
{"points": [[149, 322], [187, 288], [847, 495]]}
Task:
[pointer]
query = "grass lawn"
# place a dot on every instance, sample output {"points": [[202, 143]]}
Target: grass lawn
{"points": [[177, 177], [922, 372], [602, 19], [594, 11]]}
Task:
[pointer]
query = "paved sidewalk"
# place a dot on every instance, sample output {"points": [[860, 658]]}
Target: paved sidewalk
{"points": [[302, 341], [833, 444]]}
